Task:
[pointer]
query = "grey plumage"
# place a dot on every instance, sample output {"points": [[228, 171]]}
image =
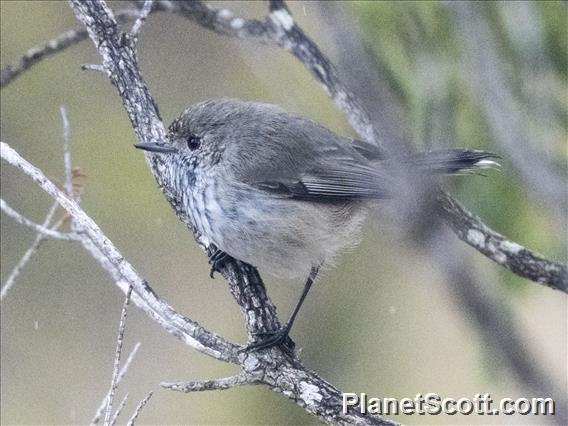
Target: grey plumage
{"points": [[279, 191]]}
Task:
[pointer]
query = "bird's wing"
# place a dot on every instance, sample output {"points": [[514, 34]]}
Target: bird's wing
{"points": [[291, 157], [336, 180]]}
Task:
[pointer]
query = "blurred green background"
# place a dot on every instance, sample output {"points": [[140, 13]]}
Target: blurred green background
{"points": [[383, 321]]}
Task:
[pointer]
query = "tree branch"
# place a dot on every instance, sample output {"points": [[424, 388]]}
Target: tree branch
{"points": [[278, 29], [98, 414], [30, 252], [507, 253], [217, 384], [104, 251], [139, 409], [40, 229], [52, 47], [116, 414], [118, 352]]}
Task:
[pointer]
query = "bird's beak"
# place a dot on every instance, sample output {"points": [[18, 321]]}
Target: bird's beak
{"points": [[154, 147]]}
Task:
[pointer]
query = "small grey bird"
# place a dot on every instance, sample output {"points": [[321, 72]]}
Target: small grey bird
{"points": [[278, 191]]}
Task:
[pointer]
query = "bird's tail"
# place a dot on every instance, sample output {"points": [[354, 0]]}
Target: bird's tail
{"points": [[452, 161]]}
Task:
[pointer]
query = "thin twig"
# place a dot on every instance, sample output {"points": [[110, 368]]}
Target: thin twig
{"points": [[53, 46], [118, 352], [36, 54], [206, 385], [118, 411], [66, 152], [123, 371], [35, 226], [93, 67], [41, 237], [139, 408], [29, 252], [146, 9]]}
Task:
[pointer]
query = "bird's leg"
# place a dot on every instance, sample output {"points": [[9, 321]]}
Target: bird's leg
{"points": [[217, 258], [281, 336]]}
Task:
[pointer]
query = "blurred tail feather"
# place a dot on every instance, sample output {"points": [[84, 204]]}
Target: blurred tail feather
{"points": [[453, 161]]}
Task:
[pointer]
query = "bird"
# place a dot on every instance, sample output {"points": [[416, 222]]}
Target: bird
{"points": [[279, 191]]}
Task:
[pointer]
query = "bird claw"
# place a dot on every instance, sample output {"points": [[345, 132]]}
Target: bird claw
{"points": [[217, 259], [276, 338]]}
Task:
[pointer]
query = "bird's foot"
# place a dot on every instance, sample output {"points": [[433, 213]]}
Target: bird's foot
{"points": [[217, 259], [273, 338]]}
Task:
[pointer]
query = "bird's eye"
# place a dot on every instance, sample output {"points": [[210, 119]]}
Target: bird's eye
{"points": [[193, 142]]}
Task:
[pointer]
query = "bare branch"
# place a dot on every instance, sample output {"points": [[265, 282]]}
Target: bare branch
{"points": [[513, 256], [188, 331], [36, 54], [123, 371], [40, 237], [29, 252], [66, 152], [94, 67], [118, 410], [206, 385], [50, 48], [116, 368], [139, 408], [146, 9], [35, 226]]}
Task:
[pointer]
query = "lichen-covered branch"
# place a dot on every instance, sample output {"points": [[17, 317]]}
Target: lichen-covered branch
{"points": [[52, 47], [511, 255], [206, 385]]}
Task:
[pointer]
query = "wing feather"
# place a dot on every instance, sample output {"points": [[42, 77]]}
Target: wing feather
{"points": [[341, 183]]}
